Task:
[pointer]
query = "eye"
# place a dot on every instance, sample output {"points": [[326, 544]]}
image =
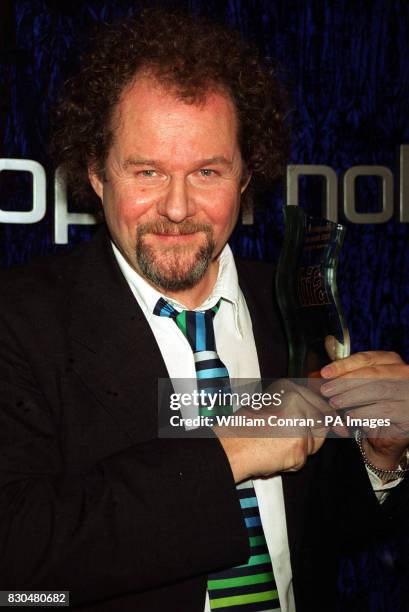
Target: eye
{"points": [[206, 172], [147, 173]]}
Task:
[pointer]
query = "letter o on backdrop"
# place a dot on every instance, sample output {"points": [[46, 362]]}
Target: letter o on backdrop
{"points": [[38, 209], [350, 210]]}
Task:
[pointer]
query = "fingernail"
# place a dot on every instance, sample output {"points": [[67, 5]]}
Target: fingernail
{"points": [[336, 401], [328, 388], [327, 371]]}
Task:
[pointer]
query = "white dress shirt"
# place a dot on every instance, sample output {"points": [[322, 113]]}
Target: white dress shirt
{"points": [[236, 348]]}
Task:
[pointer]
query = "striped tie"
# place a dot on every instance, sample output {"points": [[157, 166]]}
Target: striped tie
{"points": [[211, 373], [250, 587]]}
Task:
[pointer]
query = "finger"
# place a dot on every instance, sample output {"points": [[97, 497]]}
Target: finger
{"points": [[396, 370], [299, 399], [327, 410], [314, 400], [398, 373], [350, 393], [302, 412], [320, 409], [333, 347], [360, 361], [340, 385]]}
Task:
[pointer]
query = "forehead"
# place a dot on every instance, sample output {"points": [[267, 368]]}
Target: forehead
{"points": [[150, 115]]}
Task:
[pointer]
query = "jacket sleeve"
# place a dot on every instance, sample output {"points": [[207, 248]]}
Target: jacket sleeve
{"points": [[148, 515]]}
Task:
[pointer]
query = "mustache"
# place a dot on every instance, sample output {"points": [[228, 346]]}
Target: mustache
{"points": [[173, 229]]}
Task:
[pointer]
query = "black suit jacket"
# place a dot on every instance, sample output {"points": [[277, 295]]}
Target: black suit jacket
{"points": [[91, 501]]}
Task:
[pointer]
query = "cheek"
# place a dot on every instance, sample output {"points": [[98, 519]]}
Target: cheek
{"points": [[224, 212], [128, 211]]}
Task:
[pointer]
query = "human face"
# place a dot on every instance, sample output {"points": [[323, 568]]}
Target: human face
{"points": [[174, 176]]}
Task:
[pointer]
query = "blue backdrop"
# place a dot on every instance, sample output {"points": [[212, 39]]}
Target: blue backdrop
{"points": [[347, 65]]}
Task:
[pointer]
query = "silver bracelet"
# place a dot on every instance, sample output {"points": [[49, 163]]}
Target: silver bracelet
{"points": [[392, 474]]}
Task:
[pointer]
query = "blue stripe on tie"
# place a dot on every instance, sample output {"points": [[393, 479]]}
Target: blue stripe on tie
{"points": [[212, 373], [253, 521], [200, 332], [249, 502], [167, 311]]}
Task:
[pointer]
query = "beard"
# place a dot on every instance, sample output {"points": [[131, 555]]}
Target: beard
{"points": [[176, 267]]}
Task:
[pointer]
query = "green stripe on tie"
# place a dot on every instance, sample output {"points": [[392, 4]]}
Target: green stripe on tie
{"points": [[240, 581], [257, 560], [181, 321], [237, 600], [257, 541]]}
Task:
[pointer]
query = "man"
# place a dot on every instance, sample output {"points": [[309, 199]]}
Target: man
{"points": [[172, 121]]}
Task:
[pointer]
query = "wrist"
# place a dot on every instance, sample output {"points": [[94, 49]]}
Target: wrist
{"points": [[387, 464], [383, 457]]}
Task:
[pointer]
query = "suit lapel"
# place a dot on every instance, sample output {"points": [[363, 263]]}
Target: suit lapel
{"points": [[113, 348]]}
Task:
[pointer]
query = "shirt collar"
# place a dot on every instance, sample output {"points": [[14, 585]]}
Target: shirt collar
{"points": [[226, 286]]}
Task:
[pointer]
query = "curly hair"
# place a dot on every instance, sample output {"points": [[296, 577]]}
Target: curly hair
{"points": [[191, 56]]}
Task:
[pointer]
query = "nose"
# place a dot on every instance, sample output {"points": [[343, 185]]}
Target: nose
{"points": [[177, 204]]}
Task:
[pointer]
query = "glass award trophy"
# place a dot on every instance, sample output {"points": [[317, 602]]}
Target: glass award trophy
{"points": [[307, 293]]}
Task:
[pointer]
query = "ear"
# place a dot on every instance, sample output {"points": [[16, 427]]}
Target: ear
{"points": [[245, 180], [96, 182]]}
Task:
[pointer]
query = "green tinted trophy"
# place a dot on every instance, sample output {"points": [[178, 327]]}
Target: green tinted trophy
{"points": [[307, 293]]}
